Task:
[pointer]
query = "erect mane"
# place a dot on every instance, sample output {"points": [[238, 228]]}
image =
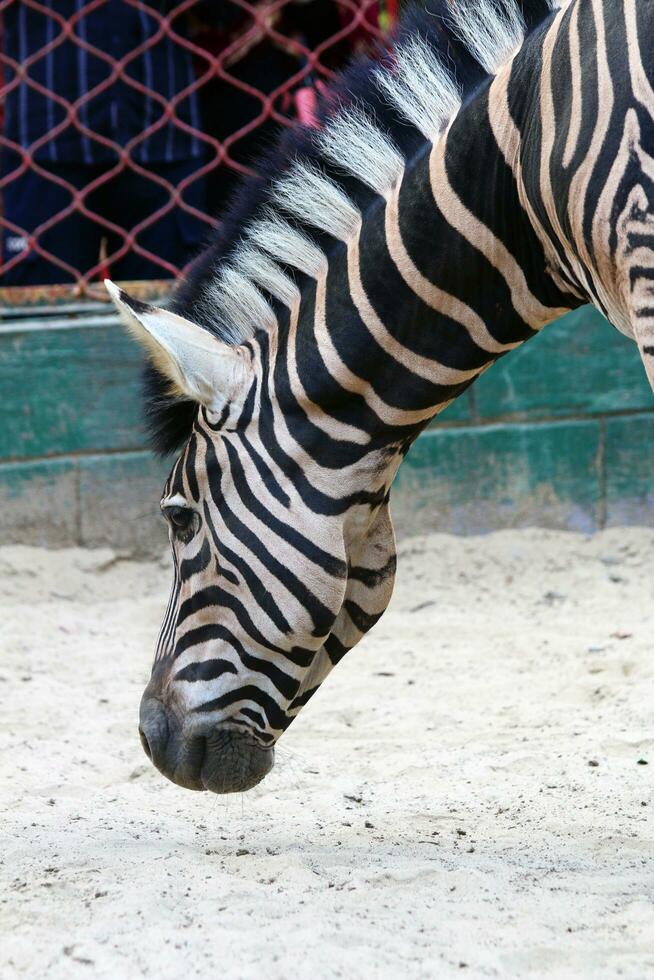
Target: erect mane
{"points": [[313, 187]]}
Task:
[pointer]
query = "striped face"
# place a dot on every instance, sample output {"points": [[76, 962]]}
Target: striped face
{"points": [[281, 562], [268, 595]]}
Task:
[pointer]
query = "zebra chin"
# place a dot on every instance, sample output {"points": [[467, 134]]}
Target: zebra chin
{"points": [[206, 757]]}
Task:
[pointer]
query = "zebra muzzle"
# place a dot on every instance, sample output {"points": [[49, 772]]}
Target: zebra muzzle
{"points": [[219, 759]]}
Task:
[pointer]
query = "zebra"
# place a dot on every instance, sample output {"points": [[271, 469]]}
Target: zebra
{"points": [[488, 172]]}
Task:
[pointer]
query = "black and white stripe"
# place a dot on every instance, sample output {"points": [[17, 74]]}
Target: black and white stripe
{"points": [[494, 171]]}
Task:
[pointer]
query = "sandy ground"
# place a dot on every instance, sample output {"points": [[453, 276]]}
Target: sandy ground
{"points": [[467, 796]]}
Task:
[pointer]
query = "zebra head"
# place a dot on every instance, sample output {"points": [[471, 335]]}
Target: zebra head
{"points": [[380, 264], [281, 562]]}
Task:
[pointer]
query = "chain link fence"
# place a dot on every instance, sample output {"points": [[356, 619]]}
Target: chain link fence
{"points": [[126, 123]]}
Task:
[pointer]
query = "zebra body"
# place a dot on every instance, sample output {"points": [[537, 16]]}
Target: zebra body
{"points": [[491, 174]]}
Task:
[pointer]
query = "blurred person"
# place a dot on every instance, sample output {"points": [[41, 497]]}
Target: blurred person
{"points": [[79, 154], [270, 59]]}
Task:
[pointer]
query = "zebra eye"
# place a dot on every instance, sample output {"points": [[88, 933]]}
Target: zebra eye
{"points": [[182, 520]]}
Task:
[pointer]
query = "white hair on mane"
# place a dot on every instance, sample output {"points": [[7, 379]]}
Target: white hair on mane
{"points": [[492, 30], [239, 304], [254, 264], [280, 239], [309, 195], [353, 142], [424, 92], [420, 87]]}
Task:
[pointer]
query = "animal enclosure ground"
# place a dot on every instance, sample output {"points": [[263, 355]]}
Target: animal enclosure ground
{"points": [[466, 796]]}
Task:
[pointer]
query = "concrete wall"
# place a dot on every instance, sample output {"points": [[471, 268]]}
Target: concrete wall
{"points": [[559, 434]]}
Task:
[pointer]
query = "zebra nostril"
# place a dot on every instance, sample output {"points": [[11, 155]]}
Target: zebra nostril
{"points": [[153, 730], [145, 743]]}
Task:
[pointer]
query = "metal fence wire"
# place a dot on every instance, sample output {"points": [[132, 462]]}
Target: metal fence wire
{"points": [[125, 123]]}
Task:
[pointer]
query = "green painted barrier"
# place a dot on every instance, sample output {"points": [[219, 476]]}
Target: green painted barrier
{"points": [[68, 388], [559, 433]]}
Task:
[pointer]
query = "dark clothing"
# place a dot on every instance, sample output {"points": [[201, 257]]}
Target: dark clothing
{"points": [[126, 200], [119, 112], [113, 111], [109, 80]]}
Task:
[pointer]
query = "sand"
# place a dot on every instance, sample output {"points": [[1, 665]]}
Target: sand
{"points": [[467, 796]]}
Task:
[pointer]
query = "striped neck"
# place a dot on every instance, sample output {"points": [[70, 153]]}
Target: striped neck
{"points": [[582, 145], [443, 274]]}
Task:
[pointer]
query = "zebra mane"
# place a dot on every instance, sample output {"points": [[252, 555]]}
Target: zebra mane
{"points": [[316, 183]]}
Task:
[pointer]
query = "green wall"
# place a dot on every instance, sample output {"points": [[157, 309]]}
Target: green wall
{"points": [[559, 433]]}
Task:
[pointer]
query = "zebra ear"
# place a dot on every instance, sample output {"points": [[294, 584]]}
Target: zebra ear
{"points": [[197, 364]]}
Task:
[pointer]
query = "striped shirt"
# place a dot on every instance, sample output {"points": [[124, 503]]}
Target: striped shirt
{"points": [[120, 112]]}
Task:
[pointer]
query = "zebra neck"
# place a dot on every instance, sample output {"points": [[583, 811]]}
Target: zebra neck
{"points": [[576, 107], [444, 276]]}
